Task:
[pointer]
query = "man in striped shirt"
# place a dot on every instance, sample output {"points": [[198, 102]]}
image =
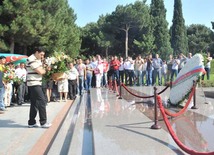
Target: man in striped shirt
{"points": [[34, 83]]}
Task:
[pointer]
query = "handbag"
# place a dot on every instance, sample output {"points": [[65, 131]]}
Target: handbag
{"points": [[96, 71]]}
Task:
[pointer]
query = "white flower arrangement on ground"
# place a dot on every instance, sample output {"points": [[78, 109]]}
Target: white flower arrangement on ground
{"points": [[183, 83]]}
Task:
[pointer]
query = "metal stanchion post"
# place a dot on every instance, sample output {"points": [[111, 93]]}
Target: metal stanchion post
{"points": [[194, 96], [155, 126]]}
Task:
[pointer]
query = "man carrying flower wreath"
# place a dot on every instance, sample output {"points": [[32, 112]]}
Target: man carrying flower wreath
{"points": [[34, 83]]}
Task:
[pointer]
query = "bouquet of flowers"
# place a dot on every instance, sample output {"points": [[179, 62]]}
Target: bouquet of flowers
{"points": [[57, 64], [8, 74], [18, 80]]}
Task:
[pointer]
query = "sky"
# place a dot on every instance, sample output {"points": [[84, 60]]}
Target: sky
{"points": [[194, 11]]}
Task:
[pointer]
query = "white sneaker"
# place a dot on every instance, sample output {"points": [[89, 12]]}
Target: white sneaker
{"points": [[46, 125], [34, 126]]}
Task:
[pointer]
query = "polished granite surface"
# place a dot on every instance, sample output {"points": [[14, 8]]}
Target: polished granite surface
{"points": [[123, 125]]}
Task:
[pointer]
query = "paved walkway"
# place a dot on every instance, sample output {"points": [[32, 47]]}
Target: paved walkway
{"points": [[100, 123]]}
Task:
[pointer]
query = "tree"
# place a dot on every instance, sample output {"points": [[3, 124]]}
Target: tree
{"points": [[129, 19], [178, 30], [160, 28], [10, 19], [89, 39], [200, 38], [25, 24], [64, 34], [104, 39]]}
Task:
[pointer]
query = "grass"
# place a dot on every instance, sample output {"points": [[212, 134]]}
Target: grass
{"points": [[208, 83]]}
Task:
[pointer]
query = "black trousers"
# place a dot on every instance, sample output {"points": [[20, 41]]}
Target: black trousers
{"points": [[21, 93], [38, 103], [72, 87]]}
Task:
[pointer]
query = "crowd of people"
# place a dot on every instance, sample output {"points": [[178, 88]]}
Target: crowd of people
{"points": [[82, 75]]}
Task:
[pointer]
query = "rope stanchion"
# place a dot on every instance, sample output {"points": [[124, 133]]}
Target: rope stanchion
{"points": [[144, 96], [155, 126], [172, 133], [120, 93], [185, 107], [194, 96]]}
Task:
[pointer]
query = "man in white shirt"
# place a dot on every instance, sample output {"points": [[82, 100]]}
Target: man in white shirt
{"points": [[175, 64], [129, 66], [21, 73], [72, 81]]}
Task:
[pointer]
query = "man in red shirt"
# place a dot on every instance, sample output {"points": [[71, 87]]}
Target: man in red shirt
{"points": [[115, 64]]}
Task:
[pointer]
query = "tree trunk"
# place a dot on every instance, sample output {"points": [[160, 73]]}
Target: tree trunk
{"points": [[126, 42], [107, 53], [12, 45], [25, 50]]}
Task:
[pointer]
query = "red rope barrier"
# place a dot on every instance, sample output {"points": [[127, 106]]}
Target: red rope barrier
{"points": [[172, 133], [184, 108], [143, 96]]}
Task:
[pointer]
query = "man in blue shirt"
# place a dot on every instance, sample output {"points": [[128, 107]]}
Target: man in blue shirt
{"points": [[157, 64]]}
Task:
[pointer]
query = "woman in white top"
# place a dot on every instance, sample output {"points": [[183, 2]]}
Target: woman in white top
{"points": [[121, 70], [98, 71], [63, 87]]}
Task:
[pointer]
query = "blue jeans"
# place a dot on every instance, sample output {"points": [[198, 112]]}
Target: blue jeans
{"points": [[208, 73], [104, 79], [174, 72], [115, 76], [81, 84], [157, 72], [138, 75], [88, 82], [2, 105], [144, 75], [149, 77]]}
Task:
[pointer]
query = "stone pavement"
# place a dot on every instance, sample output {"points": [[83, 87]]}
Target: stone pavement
{"points": [[16, 137], [100, 123]]}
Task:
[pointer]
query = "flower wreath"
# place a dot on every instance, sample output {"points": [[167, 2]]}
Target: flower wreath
{"points": [[183, 83]]}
